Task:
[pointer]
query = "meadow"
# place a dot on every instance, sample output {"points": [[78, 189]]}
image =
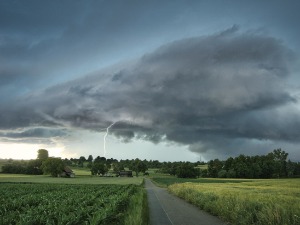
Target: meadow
{"points": [[259, 202]]}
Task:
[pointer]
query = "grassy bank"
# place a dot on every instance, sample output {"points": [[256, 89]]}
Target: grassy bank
{"points": [[260, 202], [138, 212]]}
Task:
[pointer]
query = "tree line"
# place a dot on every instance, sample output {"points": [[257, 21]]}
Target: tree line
{"points": [[54, 166], [32, 167], [272, 165]]}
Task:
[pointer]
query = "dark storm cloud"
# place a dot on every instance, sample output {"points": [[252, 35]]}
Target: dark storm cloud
{"points": [[208, 92], [49, 42], [35, 133]]}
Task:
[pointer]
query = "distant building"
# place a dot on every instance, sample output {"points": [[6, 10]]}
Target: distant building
{"points": [[67, 172], [125, 173]]}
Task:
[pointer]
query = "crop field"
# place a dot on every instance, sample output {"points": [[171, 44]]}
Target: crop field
{"points": [[15, 178], [167, 180], [261, 202], [69, 204]]}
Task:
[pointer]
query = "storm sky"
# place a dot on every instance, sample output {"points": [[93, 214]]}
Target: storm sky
{"points": [[179, 80]]}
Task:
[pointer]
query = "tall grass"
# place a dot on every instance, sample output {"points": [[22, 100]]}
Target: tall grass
{"points": [[272, 202], [137, 212]]}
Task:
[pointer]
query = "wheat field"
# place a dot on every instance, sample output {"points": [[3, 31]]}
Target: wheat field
{"points": [[261, 202]]}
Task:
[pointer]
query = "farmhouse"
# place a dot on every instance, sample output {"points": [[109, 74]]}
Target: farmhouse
{"points": [[125, 173], [67, 172]]}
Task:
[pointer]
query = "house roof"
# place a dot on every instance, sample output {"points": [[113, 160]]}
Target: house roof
{"points": [[68, 169]]}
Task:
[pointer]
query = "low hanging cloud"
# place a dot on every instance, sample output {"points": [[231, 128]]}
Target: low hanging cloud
{"points": [[208, 92]]}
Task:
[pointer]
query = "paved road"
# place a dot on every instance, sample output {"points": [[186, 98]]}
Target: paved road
{"points": [[166, 209]]}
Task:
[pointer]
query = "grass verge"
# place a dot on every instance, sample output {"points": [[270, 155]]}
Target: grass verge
{"points": [[138, 212]]}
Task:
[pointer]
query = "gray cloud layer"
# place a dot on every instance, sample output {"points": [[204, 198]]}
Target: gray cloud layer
{"points": [[213, 93]]}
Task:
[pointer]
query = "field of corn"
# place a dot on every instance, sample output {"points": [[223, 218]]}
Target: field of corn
{"points": [[259, 202], [70, 204]]}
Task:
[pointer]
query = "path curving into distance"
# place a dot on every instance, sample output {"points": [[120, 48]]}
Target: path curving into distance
{"points": [[167, 209]]}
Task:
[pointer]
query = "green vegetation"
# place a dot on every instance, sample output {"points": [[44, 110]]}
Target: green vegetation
{"points": [[259, 202], [272, 165], [22, 166], [42, 154], [2, 163], [238, 201], [33, 166], [20, 178], [138, 212], [81, 171], [165, 181], [53, 166], [138, 166], [71, 204]]}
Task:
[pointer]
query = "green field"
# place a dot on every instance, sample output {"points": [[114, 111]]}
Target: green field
{"points": [[81, 171], [15, 178], [67, 204], [237, 201], [40, 199], [167, 180], [261, 202]]}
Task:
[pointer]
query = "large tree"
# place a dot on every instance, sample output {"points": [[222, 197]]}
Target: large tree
{"points": [[90, 158], [42, 154], [53, 166], [99, 168], [138, 166]]}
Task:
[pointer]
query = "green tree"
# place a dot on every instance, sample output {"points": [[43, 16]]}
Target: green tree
{"points": [[214, 166], [117, 167], [42, 154], [186, 170], [204, 173], [53, 166], [222, 174], [90, 158], [81, 160], [138, 166], [34, 167], [99, 168], [280, 162], [290, 168], [231, 173]]}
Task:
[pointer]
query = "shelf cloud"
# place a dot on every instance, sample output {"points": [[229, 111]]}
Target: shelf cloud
{"points": [[219, 92]]}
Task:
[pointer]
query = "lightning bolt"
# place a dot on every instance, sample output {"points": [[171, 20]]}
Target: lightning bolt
{"points": [[104, 138]]}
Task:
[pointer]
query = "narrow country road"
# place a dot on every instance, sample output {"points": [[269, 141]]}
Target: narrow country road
{"points": [[166, 209]]}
